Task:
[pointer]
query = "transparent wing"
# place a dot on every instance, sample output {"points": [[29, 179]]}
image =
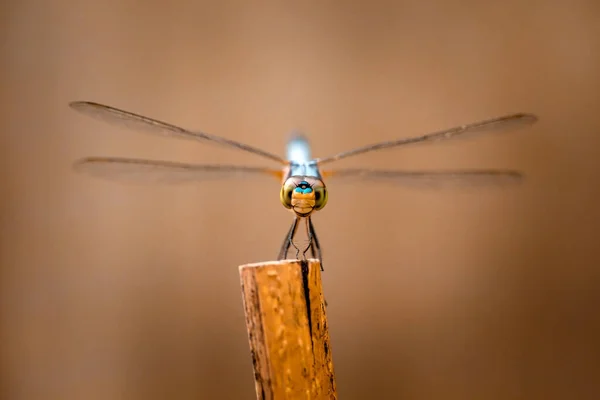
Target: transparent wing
{"points": [[119, 117], [428, 179], [496, 124], [157, 171]]}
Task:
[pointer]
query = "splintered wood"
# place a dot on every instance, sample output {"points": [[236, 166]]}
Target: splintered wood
{"points": [[287, 330]]}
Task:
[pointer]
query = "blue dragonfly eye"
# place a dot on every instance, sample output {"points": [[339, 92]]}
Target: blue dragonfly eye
{"points": [[303, 187], [303, 190]]}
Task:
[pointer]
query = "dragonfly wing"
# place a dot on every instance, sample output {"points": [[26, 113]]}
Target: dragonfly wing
{"points": [[138, 122], [157, 171], [496, 124], [428, 179]]}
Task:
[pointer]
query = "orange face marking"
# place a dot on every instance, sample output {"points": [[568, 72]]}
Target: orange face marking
{"points": [[303, 203]]}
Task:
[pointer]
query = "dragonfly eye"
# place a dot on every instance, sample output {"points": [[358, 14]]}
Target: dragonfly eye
{"points": [[286, 193], [321, 196]]}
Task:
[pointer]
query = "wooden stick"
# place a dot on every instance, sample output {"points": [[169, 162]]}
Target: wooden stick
{"points": [[287, 330]]}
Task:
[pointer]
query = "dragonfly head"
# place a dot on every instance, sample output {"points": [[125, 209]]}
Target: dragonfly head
{"points": [[303, 195]]}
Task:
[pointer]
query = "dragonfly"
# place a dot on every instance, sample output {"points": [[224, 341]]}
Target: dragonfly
{"points": [[303, 190]]}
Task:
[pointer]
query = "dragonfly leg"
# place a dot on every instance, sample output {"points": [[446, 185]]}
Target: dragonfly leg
{"points": [[310, 239], [315, 242], [288, 240], [297, 248], [298, 252]]}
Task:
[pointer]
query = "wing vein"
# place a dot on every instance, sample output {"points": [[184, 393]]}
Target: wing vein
{"points": [[138, 122], [141, 170], [499, 123]]}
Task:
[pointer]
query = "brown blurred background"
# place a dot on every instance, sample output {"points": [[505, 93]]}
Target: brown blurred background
{"points": [[115, 291]]}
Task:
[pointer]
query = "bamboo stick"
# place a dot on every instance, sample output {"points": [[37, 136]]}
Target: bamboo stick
{"points": [[287, 330]]}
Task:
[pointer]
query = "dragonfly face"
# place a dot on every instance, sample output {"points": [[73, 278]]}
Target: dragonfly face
{"points": [[303, 195], [303, 190]]}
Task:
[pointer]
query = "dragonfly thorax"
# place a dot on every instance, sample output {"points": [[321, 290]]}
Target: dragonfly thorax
{"points": [[303, 195]]}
